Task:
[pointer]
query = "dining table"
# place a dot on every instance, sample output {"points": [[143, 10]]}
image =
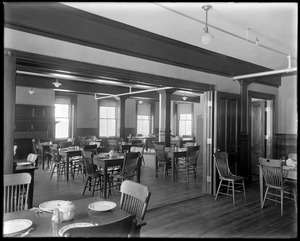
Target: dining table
{"points": [[289, 173], [104, 161], [43, 226], [174, 153], [69, 153]]}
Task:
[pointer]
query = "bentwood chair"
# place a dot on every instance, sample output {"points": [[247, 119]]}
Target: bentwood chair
{"points": [[122, 228], [233, 182], [128, 171], [135, 199], [189, 163], [274, 180], [162, 159], [15, 192]]}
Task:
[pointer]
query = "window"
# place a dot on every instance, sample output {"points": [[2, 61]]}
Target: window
{"points": [[185, 124], [143, 125], [62, 117], [107, 121]]}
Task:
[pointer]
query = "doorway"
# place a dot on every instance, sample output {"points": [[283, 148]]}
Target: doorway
{"points": [[261, 129]]}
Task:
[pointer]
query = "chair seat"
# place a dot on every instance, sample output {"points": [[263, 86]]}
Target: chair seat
{"points": [[235, 178]]}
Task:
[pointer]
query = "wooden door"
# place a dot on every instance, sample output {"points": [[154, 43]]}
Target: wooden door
{"points": [[228, 123], [257, 133]]}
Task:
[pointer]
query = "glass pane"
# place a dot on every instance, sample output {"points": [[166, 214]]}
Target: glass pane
{"points": [[103, 127], [111, 128], [139, 126], [188, 128], [111, 112], [61, 110], [181, 128], [189, 116], [62, 128], [146, 126], [103, 112]]}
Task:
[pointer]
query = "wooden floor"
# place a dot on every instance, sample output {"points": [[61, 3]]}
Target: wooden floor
{"points": [[181, 210]]}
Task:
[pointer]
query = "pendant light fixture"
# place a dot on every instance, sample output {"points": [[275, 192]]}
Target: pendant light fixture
{"points": [[206, 37], [31, 91], [184, 97], [56, 84]]}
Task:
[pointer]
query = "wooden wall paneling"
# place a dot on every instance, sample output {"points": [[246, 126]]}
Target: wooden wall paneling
{"points": [[9, 97]]}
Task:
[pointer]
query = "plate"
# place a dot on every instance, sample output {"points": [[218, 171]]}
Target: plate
{"points": [[51, 205], [102, 206], [74, 225], [16, 225], [24, 163]]}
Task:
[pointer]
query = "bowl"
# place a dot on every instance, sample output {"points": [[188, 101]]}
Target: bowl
{"points": [[66, 215]]}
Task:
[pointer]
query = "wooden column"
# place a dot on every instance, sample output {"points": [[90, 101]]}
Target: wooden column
{"points": [[9, 96], [165, 116], [122, 117], [244, 152]]}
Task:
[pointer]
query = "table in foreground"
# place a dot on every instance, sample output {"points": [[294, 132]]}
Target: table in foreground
{"points": [[44, 227]]}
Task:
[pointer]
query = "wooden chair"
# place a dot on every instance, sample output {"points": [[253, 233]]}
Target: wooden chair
{"points": [[233, 182], [139, 149], [58, 163], [128, 170], [135, 199], [161, 159], [122, 228], [190, 161], [33, 158], [36, 150], [95, 177], [15, 192], [274, 180]]}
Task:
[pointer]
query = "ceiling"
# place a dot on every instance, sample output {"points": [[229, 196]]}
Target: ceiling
{"points": [[274, 24]]}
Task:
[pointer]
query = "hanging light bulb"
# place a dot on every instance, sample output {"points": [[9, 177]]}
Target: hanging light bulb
{"points": [[140, 102], [56, 84], [31, 91], [206, 37], [184, 97]]}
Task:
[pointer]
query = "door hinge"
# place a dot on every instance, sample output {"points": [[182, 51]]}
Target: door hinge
{"points": [[208, 141], [209, 103]]}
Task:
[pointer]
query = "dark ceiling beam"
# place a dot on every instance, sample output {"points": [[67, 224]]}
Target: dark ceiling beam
{"points": [[65, 23]]}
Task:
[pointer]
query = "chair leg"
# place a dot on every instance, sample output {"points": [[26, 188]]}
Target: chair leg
{"points": [[233, 193], [88, 180], [244, 190], [265, 197], [281, 203], [218, 189]]}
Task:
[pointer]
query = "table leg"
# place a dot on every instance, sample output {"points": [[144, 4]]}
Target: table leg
{"points": [[68, 157], [261, 187], [173, 167], [105, 180], [42, 157]]}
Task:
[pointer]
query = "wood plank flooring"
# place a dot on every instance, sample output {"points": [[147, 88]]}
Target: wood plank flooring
{"points": [[181, 210]]}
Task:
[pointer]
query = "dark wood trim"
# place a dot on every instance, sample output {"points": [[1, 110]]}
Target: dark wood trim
{"points": [[46, 64], [76, 26]]}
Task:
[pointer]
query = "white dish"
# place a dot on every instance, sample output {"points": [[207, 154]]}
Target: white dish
{"points": [[290, 162], [102, 206], [24, 163], [74, 225], [16, 225], [51, 205]]}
